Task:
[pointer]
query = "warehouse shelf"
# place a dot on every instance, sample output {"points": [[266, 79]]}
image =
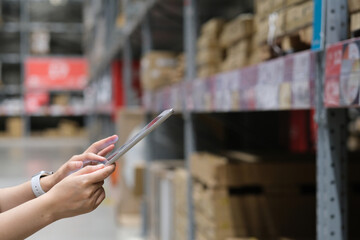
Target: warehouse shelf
{"points": [[303, 80], [118, 39], [20, 20], [13, 27], [10, 58], [284, 83]]}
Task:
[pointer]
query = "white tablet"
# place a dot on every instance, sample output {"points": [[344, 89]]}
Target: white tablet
{"points": [[134, 140]]}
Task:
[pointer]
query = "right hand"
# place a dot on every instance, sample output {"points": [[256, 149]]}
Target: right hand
{"points": [[79, 193], [92, 156]]}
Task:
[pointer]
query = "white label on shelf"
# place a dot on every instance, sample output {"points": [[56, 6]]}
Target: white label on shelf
{"points": [[301, 70], [267, 96], [272, 72], [301, 94]]}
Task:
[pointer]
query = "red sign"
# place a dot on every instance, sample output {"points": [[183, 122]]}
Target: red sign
{"points": [[56, 73], [34, 101], [332, 75]]}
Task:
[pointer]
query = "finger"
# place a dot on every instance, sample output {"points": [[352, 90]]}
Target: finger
{"points": [[99, 198], [89, 169], [100, 145], [100, 174], [106, 150], [90, 159]]}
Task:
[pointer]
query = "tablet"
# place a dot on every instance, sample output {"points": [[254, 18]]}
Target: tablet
{"points": [[140, 135]]}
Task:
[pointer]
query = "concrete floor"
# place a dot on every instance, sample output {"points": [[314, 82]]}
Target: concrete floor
{"points": [[21, 158]]}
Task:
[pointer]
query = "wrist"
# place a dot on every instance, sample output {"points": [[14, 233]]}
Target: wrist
{"points": [[47, 182], [49, 207]]}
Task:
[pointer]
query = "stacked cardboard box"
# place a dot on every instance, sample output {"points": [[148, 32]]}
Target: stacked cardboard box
{"points": [[178, 73], [354, 10], [181, 213], [283, 23], [265, 199], [14, 127], [236, 40], [162, 199], [209, 53], [157, 69]]}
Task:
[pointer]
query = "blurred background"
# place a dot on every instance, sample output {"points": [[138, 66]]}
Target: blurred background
{"points": [[265, 139]]}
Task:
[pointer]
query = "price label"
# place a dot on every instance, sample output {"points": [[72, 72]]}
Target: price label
{"points": [[301, 94], [267, 96], [301, 67]]}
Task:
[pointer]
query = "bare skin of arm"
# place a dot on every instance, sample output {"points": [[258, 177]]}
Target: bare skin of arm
{"points": [[79, 193], [21, 214]]}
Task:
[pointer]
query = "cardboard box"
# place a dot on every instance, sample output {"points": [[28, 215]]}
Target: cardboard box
{"points": [[206, 42], [209, 56], [285, 95], [263, 7], [180, 193], [216, 171], [277, 5], [354, 5], [293, 2], [139, 176], [68, 128], [299, 16], [157, 68], [355, 22], [212, 28], [207, 71], [161, 198], [14, 127], [237, 29]]}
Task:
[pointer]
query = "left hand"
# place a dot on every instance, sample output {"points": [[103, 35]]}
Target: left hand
{"points": [[93, 155]]}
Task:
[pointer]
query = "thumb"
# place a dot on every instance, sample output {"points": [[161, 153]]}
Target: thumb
{"points": [[89, 169]]}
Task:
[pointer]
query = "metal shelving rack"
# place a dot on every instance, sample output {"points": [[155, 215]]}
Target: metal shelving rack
{"points": [[330, 26], [23, 26]]}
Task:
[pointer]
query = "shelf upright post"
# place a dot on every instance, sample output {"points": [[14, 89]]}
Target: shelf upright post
{"points": [[331, 143], [190, 36], [130, 98], [24, 50], [146, 46]]}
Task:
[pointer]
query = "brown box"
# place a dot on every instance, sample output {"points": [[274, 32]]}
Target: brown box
{"points": [[277, 214], [211, 56], [157, 173], [355, 22], [277, 5], [157, 68], [207, 70], [292, 2], [285, 95], [354, 5], [14, 127], [237, 29], [263, 7], [139, 175], [217, 171], [68, 128], [206, 42], [299, 16], [212, 28]]}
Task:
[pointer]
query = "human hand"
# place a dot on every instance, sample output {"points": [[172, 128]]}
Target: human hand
{"points": [[78, 193], [93, 155]]}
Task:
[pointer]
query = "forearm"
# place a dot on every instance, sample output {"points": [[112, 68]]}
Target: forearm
{"points": [[24, 220], [14, 196]]}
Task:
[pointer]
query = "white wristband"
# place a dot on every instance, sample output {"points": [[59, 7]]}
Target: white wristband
{"points": [[35, 183]]}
